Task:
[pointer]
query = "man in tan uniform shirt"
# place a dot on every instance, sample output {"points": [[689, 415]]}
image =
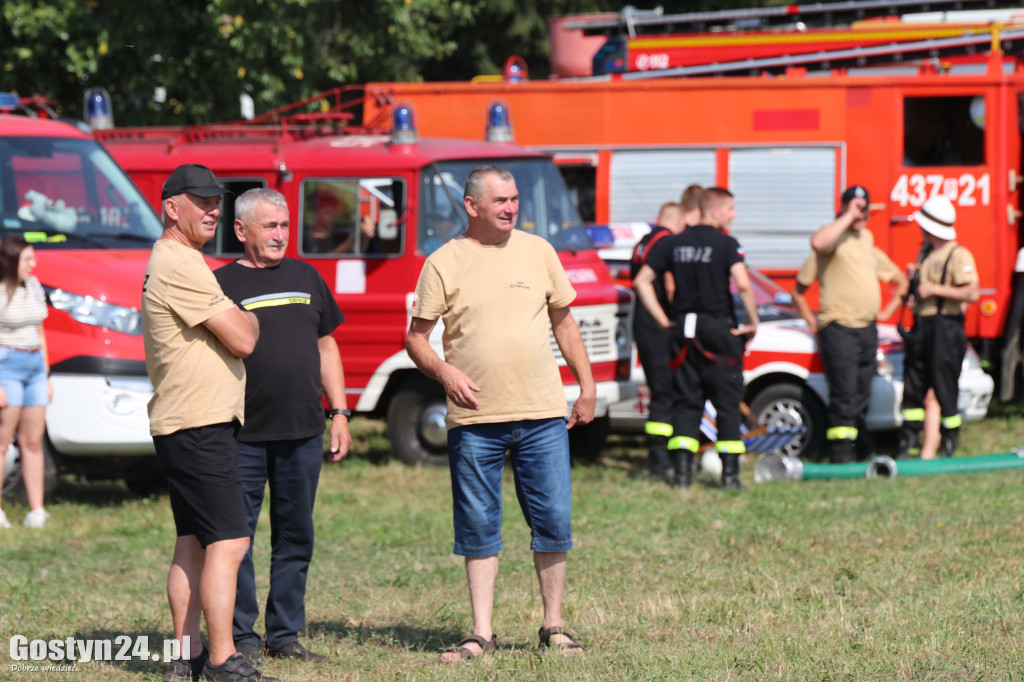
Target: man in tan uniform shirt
{"points": [[848, 266], [195, 338], [499, 292]]}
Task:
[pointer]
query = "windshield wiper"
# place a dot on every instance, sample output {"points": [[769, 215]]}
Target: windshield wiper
{"points": [[43, 237], [122, 235]]}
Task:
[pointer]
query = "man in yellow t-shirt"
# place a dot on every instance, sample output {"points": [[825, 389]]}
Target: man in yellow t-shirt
{"points": [[848, 267], [948, 280], [498, 291], [195, 338]]}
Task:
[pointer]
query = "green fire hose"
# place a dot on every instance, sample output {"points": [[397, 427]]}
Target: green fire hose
{"points": [[774, 466]]}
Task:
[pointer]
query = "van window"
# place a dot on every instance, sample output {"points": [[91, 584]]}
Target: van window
{"points": [[944, 131], [545, 208], [357, 217], [68, 193]]}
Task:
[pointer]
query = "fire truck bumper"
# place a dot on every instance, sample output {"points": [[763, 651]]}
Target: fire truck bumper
{"points": [[100, 415]]}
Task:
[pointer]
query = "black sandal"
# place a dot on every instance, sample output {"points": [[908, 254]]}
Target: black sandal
{"points": [[570, 648], [486, 647]]}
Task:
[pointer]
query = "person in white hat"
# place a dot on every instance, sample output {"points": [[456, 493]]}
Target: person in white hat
{"points": [[947, 280]]}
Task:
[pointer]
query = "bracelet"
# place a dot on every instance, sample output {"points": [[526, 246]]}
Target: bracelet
{"points": [[342, 412]]}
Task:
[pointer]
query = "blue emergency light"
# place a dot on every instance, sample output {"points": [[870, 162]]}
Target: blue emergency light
{"points": [[403, 127], [97, 109], [499, 127], [8, 101]]}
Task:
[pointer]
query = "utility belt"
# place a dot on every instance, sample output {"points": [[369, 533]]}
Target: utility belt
{"points": [[690, 339]]}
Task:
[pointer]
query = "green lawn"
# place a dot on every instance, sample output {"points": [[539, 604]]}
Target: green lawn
{"points": [[909, 579]]}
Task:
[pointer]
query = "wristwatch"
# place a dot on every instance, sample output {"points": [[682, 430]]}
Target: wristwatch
{"points": [[342, 412]]}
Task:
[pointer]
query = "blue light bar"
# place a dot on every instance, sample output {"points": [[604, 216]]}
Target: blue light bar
{"points": [[8, 101]]}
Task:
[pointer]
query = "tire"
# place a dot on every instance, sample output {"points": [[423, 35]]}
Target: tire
{"points": [[14, 485], [586, 441], [416, 423], [788, 405]]}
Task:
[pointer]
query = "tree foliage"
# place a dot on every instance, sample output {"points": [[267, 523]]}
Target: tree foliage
{"points": [[189, 61]]}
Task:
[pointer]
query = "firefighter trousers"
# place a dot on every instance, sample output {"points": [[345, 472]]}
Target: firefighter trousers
{"points": [[849, 357], [934, 361]]}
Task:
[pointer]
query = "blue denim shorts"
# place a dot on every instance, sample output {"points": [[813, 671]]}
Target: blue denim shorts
{"points": [[540, 466], [23, 377]]}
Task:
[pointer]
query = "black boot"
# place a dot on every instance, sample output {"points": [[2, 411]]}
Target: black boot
{"points": [[950, 438], [841, 451], [682, 463], [658, 460], [731, 471], [909, 440]]}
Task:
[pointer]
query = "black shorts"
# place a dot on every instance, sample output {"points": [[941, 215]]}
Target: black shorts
{"points": [[201, 467]]}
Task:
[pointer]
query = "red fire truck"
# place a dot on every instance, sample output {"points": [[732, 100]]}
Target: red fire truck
{"points": [[92, 232], [367, 209], [908, 119]]}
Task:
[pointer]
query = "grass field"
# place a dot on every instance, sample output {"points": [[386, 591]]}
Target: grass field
{"points": [[909, 579]]}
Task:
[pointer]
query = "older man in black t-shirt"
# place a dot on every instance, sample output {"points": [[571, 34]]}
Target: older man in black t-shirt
{"points": [[296, 363], [707, 344]]}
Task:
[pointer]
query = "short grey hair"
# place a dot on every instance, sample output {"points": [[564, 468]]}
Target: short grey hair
{"points": [[247, 202], [475, 180]]}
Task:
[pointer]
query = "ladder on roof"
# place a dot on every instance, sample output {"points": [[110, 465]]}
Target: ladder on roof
{"points": [[890, 54], [633, 21]]}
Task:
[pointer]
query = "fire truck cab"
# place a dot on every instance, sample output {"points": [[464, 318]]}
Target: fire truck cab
{"points": [[366, 210], [92, 232]]}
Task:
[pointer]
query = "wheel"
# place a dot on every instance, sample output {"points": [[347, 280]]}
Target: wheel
{"points": [[586, 441], [14, 486], [416, 423], [787, 406]]}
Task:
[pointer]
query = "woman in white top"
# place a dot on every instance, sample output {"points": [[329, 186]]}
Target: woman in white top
{"points": [[24, 369]]}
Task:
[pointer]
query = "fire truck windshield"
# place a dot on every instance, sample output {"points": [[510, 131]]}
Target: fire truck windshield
{"points": [[68, 193], [545, 208]]}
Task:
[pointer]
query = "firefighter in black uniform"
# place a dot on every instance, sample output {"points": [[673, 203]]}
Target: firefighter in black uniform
{"points": [[652, 345], [706, 344], [947, 280]]}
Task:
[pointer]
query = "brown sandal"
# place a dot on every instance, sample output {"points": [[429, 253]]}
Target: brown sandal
{"points": [[570, 648], [466, 654]]}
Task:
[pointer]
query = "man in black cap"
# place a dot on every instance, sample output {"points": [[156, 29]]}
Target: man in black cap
{"points": [[848, 266], [195, 338]]}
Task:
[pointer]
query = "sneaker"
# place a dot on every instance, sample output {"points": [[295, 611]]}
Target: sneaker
{"points": [[235, 669], [4, 523], [251, 651], [36, 518], [181, 670], [297, 651]]}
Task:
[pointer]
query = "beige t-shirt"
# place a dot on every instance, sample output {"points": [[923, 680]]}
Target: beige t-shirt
{"points": [[494, 303], [196, 380], [960, 271], [849, 279]]}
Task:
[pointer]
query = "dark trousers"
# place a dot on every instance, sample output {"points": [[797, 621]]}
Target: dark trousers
{"points": [[934, 361], [849, 357], [700, 378], [652, 345], [292, 467]]}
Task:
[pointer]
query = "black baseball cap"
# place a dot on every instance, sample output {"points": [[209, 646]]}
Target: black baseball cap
{"points": [[855, 192], [193, 178]]}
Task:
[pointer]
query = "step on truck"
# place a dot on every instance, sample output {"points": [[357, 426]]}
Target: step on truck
{"points": [[368, 204]]}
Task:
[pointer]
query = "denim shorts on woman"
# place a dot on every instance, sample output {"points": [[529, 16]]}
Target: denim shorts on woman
{"points": [[539, 451], [23, 377]]}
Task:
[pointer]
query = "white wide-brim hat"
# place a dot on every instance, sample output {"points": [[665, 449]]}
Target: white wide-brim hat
{"points": [[937, 217]]}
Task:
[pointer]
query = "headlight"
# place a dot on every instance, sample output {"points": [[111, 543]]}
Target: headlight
{"points": [[88, 310], [623, 342], [885, 365]]}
